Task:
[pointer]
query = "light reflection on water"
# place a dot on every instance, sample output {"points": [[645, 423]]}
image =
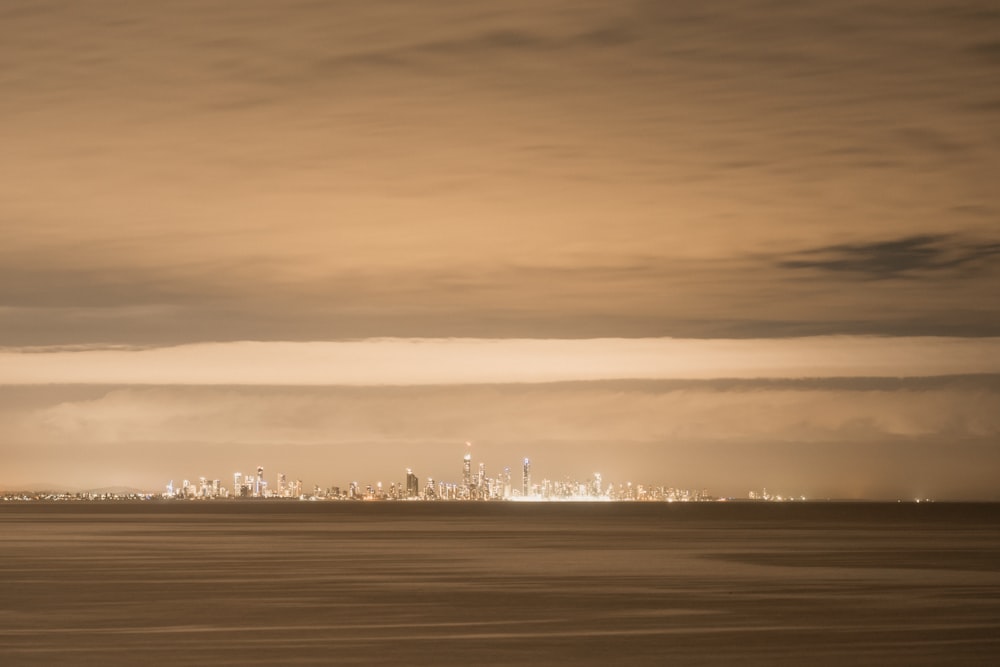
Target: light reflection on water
{"points": [[261, 583]]}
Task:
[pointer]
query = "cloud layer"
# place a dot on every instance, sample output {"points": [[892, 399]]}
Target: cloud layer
{"points": [[472, 361], [849, 437], [536, 170]]}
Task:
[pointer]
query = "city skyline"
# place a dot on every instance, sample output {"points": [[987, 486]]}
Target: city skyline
{"points": [[471, 484], [729, 427], [745, 243]]}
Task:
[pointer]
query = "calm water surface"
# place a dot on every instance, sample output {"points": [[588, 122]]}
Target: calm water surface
{"points": [[244, 583]]}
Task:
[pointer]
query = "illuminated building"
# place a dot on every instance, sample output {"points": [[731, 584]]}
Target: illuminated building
{"points": [[476, 486], [412, 484]]}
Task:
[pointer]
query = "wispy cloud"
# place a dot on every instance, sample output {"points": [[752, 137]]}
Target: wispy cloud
{"points": [[927, 255]]}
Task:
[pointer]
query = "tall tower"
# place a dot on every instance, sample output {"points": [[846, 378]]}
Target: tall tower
{"points": [[259, 488], [526, 478], [412, 484], [467, 470]]}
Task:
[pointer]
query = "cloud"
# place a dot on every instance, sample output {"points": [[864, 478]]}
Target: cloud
{"points": [[926, 140], [987, 51], [319, 171], [89, 299], [801, 436], [421, 56], [609, 412], [921, 256], [479, 361]]}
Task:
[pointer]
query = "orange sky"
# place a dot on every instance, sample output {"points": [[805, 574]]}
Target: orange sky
{"points": [[308, 172], [206, 172]]}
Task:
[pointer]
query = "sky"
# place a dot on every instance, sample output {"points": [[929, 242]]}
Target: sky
{"points": [[725, 246]]}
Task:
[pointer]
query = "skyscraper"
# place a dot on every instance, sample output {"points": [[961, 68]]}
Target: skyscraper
{"points": [[467, 470], [526, 478], [412, 484]]}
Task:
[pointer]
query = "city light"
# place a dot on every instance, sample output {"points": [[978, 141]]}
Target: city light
{"points": [[474, 486]]}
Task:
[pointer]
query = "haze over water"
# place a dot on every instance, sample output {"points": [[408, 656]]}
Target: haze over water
{"points": [[243, 583]]}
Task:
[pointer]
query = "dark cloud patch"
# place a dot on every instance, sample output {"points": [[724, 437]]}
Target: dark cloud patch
{"points": [[987, 51], [924, 139], [927, 255], [494, 40], [372, 59], [488, 44], [606, 37], [968, 14], [501, 48], [989, 106], [963, 323]]}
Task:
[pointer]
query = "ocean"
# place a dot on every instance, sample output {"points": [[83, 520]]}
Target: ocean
{"points": [[339, 583]]}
